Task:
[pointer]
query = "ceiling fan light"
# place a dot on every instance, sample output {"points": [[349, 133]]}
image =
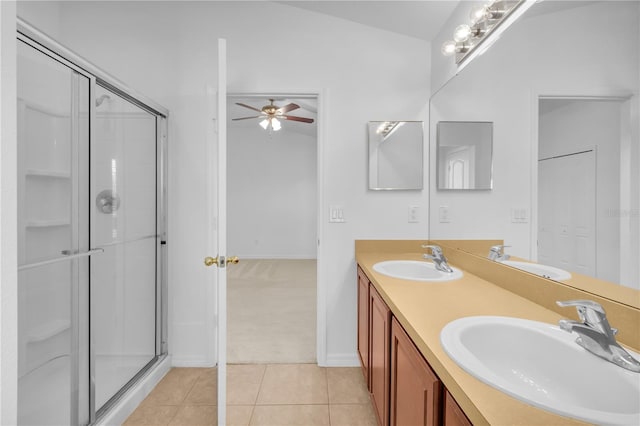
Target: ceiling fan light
{"points": [[275, 124], [265, 123]]}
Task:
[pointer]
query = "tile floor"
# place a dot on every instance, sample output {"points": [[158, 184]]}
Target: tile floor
{"points": [[259, 394]]}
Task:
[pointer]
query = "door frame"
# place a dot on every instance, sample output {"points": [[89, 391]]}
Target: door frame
{"points": [[555, 93], [321, 302]]}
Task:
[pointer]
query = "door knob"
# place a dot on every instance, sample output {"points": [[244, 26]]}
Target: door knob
{"points": [[208, 261], [220, 261]]}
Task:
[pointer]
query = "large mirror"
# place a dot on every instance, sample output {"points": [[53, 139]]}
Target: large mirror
{"points": [[395, 155], [464, 154], [561, 87]]}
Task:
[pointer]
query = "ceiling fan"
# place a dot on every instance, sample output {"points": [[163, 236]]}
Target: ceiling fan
{"points": [[271, 113]]}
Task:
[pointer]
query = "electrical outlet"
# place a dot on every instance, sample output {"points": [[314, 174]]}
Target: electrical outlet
{"points": [[414, 214], [443, 214]]}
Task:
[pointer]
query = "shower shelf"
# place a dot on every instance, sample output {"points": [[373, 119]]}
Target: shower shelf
{"points": [[48, 330], [59, 174]]}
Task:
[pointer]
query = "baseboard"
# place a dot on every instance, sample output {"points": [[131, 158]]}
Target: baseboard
{"points": [[342, 360], [192, 363]]}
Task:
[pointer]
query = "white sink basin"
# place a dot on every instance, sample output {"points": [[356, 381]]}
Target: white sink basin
{"points": [[415, 270], [543, 366], [546, 271]]}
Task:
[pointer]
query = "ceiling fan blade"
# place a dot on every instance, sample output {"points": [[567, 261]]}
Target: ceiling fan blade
{"points": [[248, 106], [246, 118], [289, 107], [294, 118]]}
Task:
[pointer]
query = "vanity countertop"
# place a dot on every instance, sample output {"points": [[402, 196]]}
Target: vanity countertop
{"points": [[424, 309]]}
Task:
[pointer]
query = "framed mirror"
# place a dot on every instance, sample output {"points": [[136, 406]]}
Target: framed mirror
{"points": [[395, 155], [464, 154]]}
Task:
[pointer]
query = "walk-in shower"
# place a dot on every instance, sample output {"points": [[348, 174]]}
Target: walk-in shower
{"points": [[91, 236]]}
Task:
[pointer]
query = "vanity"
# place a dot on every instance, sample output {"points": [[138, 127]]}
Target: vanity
{"points": [[410, 376]]}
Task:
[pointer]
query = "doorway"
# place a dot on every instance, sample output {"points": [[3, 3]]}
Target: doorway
{"points": [[580, 160], [272, 226]]}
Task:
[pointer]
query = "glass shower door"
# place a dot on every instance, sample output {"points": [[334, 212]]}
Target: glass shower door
{"points": [[53, 243], [123, 223]]}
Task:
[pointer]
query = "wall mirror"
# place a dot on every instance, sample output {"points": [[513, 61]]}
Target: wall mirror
{"points": [[463, 154], [395, 155], [566, 155]]}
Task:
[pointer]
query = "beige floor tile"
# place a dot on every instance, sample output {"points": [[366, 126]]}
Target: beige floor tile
{"points": [[174, 387], [293, 384], [205, 389], [243, 383], [239, 415], [347, 386], [192, 415], [290, 415], [352, 415], [152, 415]]}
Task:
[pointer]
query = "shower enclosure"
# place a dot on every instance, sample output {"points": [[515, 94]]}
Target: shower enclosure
{"points": [[91, 236]]}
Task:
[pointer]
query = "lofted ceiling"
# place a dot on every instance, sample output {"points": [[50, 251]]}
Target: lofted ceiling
{"points": [[421, 19]]}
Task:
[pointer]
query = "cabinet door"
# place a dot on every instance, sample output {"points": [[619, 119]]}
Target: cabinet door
{"points": [[363, 323], [379, 339], [415, 389], [453, 414]]}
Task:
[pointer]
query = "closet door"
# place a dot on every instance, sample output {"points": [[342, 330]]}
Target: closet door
{"points": [[53, 250]]}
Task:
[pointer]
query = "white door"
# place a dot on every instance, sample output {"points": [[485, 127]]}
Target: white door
{"points": [[217, 214]]}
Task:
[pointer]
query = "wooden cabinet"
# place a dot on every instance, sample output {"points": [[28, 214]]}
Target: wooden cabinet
{"points": [[453, 414], [379, 339], [416, 391], [404, 390], [363, 323]]}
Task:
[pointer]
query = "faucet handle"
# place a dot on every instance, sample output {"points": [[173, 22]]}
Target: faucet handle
{"points": [[433, 248], [590, 312], [497, 252]]}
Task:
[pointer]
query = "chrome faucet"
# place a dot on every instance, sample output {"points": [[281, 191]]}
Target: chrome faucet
{"points": [[438, 258], [596, 335], [497, 253]]}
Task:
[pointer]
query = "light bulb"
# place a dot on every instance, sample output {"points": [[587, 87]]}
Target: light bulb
{"points": [[477, 13], [265, 123], [275, 124], [448, 48], [462, 33]]}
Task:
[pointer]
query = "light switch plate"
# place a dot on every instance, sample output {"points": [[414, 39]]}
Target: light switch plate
{"points": [[336, 214]]}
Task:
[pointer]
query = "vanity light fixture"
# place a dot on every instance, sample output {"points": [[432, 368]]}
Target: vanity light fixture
{"points": [[485, 19], [386, 128]]}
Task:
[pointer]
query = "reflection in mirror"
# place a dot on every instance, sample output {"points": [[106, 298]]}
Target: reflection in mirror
{"points": [[464, 154], [395, 155], [566, 155]]}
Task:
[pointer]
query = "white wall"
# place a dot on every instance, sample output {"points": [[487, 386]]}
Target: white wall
{"points": [[166, 50], [8, 218], [272, 193], [502, 86]]}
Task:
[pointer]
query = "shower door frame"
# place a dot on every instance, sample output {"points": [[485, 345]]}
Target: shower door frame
{"points": [[38, 40]]}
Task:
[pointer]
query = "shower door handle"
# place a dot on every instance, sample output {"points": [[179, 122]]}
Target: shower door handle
{"points": [[220, 261], [66, 256]]}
